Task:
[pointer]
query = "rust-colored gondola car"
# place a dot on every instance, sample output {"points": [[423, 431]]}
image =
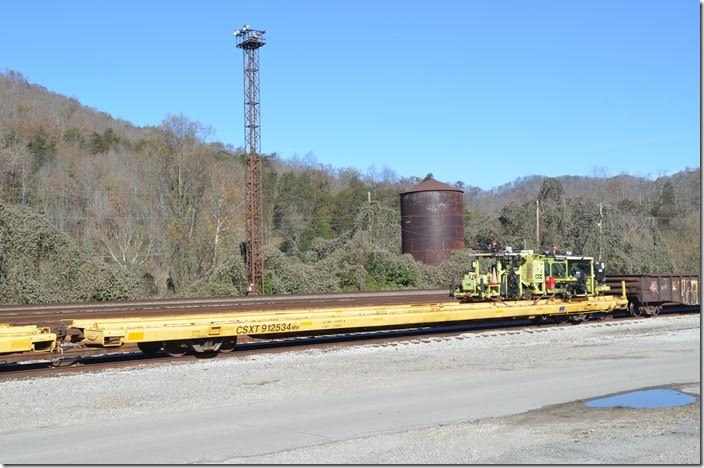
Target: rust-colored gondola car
{"points": [[647, 294]]}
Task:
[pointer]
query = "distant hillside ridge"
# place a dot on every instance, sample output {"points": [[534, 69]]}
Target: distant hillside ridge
{"points": [[599, 188]]}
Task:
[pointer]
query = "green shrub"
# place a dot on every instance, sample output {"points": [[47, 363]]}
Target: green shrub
{"points": [[40, 264]]}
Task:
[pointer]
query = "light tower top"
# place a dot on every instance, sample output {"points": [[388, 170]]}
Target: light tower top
{"points": [[248, 38]]}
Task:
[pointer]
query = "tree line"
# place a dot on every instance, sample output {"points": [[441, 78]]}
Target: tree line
{"points": [[163, 206]]}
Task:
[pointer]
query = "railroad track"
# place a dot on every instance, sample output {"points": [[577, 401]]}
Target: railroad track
{"points": [[49, 314], [94, 359]]}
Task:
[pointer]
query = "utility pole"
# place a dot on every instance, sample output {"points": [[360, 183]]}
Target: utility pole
{"points": [[369, 202], [250, 40], [537, 224], [564, 220], [600, 224]]}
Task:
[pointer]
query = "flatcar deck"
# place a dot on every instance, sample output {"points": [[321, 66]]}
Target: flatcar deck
{"points": [[115, 332], [28, 338]]}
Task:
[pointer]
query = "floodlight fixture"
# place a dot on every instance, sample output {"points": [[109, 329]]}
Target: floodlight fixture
{"points": [[250, 39]]}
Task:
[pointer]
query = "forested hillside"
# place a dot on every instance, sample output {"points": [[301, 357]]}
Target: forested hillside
{"points": [[163, 202]]}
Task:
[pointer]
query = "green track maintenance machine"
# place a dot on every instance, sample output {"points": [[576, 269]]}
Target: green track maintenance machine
{"points": [[508, 275]]}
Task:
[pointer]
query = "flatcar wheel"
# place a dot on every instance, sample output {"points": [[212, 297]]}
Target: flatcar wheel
{"points": [[176, 348], [150, 348], [634, 309], [228, 344], [206, 346], [577, 318]]}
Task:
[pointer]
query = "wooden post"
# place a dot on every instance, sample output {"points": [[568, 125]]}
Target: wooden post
{"points": [[537, 224]]}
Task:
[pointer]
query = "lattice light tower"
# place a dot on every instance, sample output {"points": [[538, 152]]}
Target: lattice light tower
{"points": [[250, 40]]}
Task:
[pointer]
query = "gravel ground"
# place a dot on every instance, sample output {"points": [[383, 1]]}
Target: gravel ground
{"points": [[569, 433], [544, 429]]}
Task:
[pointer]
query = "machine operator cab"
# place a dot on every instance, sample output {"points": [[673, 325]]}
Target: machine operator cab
{"points": [[571, 275]]}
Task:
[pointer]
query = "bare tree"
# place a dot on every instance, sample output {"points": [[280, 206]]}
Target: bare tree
{"points": [[127, 244], [225, 200]]}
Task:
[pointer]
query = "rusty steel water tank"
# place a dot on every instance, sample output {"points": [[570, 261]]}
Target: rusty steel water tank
{"points": [[432, 221]]}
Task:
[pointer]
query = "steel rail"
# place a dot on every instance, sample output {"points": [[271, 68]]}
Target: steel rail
{"points": [[35, 313]]}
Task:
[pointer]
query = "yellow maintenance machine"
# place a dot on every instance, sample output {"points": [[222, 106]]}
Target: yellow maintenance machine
{"points": [[527, 275]]}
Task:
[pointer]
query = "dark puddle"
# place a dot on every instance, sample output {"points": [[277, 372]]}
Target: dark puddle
{"points": [[655, 398]]}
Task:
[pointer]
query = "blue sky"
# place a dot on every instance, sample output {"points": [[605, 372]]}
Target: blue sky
{"points": [[478, 91]]}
